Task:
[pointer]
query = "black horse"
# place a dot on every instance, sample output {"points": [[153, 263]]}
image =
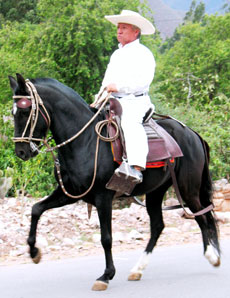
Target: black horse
{"points": [[64, 112]]}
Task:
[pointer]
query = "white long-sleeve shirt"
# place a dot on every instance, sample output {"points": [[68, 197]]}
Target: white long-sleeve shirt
{"points": [[131, 69]]}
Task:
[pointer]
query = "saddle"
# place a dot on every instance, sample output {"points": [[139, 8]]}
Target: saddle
{"points": [[162, 147]]}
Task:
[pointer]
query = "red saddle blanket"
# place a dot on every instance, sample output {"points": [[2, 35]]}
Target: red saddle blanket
{"points": [[161, 145]]}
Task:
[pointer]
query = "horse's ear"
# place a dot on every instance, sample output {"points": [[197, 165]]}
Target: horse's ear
{"points": [[21, 82], [13, 83]]}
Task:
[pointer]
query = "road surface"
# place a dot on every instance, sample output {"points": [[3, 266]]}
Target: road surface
{"points": [[173, 272]]}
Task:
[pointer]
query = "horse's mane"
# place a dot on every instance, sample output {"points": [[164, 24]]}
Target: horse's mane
{"points": [[59, 87]]}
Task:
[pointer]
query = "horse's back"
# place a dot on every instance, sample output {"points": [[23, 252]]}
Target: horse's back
{"points": [[189, 141]]}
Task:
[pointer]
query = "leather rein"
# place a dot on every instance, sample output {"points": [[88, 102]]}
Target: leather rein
{"points": [[34, 101]]}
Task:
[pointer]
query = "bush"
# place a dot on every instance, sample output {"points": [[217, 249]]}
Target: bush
{"points": [[35, 175], [211, 124]]}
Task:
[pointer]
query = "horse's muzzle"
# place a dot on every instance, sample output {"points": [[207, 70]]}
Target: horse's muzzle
{"points": [[23, 151]]}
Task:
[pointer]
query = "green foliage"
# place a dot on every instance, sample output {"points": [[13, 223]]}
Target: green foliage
{"points": [[71, 41], [226, 6], [195, 13], [193, 78], [197, 67], [211, 123], [36, 175], [79, 39], [22, 51], [20, 10]]}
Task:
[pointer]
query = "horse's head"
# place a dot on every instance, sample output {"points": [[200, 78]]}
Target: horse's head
{"points": [[31, 119]]}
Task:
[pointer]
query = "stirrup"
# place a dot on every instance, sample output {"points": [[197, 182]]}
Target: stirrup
{"points": [[124, 179]]}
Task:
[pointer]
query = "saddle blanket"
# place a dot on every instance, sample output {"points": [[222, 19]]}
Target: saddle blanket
{"points": [[162, 145]]}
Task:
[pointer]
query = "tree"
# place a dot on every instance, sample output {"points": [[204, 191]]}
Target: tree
{"points": [[20, 10], [193, 76], [195, 13], [199, 60], [226, 6], [72, 42], [79, 39]]}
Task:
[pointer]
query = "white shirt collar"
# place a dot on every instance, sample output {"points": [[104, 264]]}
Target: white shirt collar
{"points": [[130, 44]]}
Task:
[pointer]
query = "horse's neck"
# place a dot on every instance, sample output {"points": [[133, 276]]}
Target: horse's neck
{"points": [[68, 119]]}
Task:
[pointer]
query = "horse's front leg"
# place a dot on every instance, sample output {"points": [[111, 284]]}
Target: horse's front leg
{"points": [[104, 208], [56, 199], [153, 204]]}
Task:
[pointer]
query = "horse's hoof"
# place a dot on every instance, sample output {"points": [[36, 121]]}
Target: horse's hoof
{"points": [[217, 264], [38, 257], [212, 256], [100, 286], [135, 276]]}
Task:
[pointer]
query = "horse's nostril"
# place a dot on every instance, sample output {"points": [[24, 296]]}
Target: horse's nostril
{"points": [[21, 153]]}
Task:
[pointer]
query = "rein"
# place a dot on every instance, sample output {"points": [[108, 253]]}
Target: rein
{"points": [[33, 118]]}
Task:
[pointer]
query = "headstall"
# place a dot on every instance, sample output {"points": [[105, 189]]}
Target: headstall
{"points": [[34, 102]]}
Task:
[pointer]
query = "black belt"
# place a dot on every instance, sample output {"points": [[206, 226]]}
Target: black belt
{"points": [[142, 94]]}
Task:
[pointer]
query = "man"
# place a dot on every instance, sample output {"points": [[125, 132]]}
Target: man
{"points": [[128, 76]]}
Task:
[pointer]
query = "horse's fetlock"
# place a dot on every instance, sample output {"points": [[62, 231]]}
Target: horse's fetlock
{"points": [[31, 242], [112, 273], [108, 274], [33, 252]]}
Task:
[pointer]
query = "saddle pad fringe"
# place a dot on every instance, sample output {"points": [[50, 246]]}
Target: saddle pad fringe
{"points": [[153, 164], [158, 164]]}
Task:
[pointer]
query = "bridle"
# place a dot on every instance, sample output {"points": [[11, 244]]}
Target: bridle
{"points": [[34, 101]]}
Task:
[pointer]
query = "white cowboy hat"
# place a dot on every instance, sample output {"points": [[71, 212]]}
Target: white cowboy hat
{"points": [[133, 18]]}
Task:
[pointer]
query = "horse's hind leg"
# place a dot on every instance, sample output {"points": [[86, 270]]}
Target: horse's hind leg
{"points": [[196, 190], [154, 209], [208, 227], [56, 199], [207, 224], [212, 249]]}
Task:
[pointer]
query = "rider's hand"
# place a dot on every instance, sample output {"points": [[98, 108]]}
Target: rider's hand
{"points": [[111, 88]]}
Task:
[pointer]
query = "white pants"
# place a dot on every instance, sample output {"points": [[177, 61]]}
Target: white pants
{"points": [[133, 111]]}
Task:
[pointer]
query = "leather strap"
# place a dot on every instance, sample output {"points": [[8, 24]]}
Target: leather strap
{"points": [[175, 185]]}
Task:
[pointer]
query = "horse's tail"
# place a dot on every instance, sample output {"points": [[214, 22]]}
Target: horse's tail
{"points": [[206, 190], [206, 197]]}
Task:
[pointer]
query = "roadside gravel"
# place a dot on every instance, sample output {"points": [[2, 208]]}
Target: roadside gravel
{"points": [[67, 232]]}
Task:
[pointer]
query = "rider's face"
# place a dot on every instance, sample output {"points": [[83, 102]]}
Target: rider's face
{"points": [[126, 33]]}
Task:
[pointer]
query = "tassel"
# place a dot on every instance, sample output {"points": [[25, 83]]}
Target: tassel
{"points": [[89, 208]]}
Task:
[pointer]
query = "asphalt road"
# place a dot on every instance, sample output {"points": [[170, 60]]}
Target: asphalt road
{"points": [[173, 272]]}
